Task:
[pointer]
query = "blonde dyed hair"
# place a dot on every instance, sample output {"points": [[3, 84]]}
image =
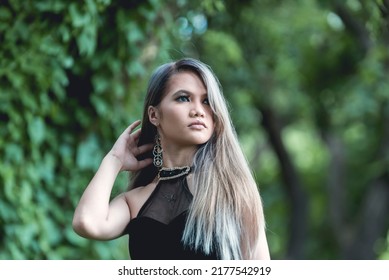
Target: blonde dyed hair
{"points": [[226, 215]]}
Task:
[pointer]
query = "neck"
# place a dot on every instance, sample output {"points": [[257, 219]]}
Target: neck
{"points": [[173, 157]]}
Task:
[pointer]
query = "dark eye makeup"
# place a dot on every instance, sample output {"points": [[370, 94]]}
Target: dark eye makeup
{"points": [[182, 98]]}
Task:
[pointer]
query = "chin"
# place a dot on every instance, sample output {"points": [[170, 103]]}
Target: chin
{"points": [[196, 142], [202, 141]]}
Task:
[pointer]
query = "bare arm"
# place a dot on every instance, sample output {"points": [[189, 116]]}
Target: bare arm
{"points": [[95, 216]]}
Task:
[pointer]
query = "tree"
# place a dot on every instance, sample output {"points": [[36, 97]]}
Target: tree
{"points": [[313, 75]]}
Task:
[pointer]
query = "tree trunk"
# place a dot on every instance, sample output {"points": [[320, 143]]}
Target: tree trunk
{"points": [[293, 187]]}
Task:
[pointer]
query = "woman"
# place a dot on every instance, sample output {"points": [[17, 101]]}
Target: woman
{"points": [[192, 194]]}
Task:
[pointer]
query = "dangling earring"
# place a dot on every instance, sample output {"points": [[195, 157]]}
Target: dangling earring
{"points": [[157, 152]]}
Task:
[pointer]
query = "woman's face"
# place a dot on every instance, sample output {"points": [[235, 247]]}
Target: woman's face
{"points": [[184, 117]]}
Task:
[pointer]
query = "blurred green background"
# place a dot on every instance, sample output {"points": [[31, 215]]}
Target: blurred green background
{"points": [[307, 84]]}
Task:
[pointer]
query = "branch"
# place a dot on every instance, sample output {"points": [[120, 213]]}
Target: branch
{"points": [[356, 28], [292, 183], [374, 221]]}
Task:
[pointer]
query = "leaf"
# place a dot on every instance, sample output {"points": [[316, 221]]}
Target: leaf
{"points": [[89, 153], [36, 129]]}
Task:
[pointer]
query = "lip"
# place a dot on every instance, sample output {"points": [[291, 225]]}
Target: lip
{"points": [[197, 124]]}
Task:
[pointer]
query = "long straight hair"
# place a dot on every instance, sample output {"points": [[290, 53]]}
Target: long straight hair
{"points": [[226, 214]]}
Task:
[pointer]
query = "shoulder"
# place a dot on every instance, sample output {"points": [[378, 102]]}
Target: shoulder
{"points": [[137, 197]]}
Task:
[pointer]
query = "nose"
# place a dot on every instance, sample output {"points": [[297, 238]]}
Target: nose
{"points": [[197, 111]]}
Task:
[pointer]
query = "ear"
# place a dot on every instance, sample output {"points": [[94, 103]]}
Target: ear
{"points": [[154, 115]]}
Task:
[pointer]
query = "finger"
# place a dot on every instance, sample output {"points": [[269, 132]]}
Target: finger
{"points": [[133, 139], [131, 127], [145, 162], [136, 134], [144, 148]]}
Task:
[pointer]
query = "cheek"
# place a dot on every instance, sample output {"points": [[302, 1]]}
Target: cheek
{"points": [[212, 118], [214, 125], [172, 116], [176, 115]]}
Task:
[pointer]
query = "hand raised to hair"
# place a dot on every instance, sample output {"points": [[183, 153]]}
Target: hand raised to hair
{"points": [[126, 149]]}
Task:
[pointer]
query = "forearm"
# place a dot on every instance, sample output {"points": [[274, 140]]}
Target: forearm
{"points": [[93, 207]]}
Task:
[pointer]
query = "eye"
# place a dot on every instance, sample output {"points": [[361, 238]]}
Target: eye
{"points": [[183, 98], [206, 101]]}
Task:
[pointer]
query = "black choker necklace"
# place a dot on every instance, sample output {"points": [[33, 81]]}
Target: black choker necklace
{"points": [[174, 172]]}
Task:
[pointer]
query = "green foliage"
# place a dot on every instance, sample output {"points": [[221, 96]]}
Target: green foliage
{"points": [[321, 67], [385, 252], [72, 77]]}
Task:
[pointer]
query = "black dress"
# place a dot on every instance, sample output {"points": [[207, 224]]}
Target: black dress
{"points": [[156, 233]]}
